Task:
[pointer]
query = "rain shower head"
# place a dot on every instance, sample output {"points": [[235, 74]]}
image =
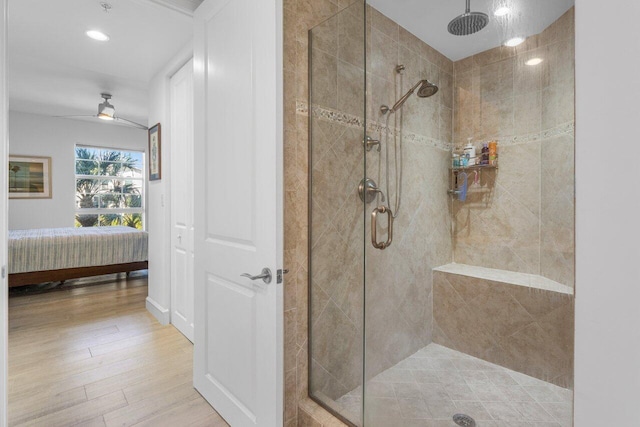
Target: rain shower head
{"points": [[468, 23], [426, 90]]}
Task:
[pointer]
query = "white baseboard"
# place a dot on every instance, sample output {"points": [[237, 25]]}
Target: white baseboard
{"points": [[159, 312]]}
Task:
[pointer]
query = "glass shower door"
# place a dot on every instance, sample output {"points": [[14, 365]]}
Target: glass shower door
{"points": [[336, 228], [410, 112]]}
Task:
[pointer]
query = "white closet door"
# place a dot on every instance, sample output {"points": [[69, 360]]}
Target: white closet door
{"points": [[182, 196]]}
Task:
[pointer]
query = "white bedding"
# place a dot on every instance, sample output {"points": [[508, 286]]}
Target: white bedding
{"points": [[57, 248]]}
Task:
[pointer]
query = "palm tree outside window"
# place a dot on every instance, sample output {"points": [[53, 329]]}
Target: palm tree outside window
{"points": [[109, 187]]}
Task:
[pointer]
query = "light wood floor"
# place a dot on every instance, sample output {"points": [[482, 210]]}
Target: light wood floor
{"points": [[94, 356]]}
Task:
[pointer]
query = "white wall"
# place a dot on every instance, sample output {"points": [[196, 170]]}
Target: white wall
{"points": [[158, 195], [4, 310], [53, 137], [607, 373]]}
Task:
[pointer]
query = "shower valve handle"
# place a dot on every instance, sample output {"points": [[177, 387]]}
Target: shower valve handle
{"points": [[369, 143]]}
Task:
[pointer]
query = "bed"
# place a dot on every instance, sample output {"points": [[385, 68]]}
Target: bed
{"points": [[58, 254]]}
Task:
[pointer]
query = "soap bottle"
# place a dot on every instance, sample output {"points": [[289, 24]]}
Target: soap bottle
{"points": [[493, 153], [470, 152], [485, 154]]}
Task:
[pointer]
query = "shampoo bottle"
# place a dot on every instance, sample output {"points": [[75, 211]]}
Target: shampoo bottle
{"points": [[470, 152], [485, 154]]}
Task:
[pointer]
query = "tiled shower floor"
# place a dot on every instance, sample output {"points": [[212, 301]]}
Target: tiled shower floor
{"points": [[429, 387]]}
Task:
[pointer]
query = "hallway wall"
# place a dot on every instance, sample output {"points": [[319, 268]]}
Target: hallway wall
{"points": [[36, 135], [607, 378]]}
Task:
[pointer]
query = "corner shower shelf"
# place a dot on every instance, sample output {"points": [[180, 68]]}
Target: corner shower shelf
{"points": [[474, 167], [453, 175]]}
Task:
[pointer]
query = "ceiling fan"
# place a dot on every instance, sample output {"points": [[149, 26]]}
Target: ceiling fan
{"points": [[107, 111]]}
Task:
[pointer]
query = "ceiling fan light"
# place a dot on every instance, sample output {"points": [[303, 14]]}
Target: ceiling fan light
{"points": [[106, 111]]}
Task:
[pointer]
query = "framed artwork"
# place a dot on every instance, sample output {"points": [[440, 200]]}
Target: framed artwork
{"points": [[29, 177], [155, 157]]}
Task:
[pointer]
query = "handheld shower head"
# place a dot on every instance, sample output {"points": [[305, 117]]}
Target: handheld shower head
{"points": [[426, 90]]}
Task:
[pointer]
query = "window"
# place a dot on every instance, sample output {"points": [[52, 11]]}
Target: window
{"points": [[109, 187]]}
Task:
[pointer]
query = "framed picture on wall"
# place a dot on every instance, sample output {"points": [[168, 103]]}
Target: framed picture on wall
{"points": [[29, 177], [155, 157]]}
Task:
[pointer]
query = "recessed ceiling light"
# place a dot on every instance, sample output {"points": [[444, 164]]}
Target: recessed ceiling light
{"points": [[501, 11], [514, 41], [534, 61], [98, 35]]}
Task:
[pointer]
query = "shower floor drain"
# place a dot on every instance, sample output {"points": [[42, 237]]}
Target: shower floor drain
{"points": [[464, 420]]}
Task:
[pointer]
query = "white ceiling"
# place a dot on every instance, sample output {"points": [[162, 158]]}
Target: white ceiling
{"points": [[55, 69], [428, 20]]}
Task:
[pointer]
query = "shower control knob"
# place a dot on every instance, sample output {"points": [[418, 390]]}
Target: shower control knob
{"points": [[368, 190]]}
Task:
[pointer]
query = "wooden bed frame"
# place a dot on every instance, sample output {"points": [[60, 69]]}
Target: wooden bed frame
{"points": [[35, 277]]}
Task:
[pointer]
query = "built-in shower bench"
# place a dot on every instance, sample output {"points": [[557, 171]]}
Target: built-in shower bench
{"points": [[520, 321], [510, 277]]}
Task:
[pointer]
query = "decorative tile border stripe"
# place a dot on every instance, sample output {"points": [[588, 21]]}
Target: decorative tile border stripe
{"points": [[372, 127], [302, 108], [330, 115], [563, 129], [410, 137]]}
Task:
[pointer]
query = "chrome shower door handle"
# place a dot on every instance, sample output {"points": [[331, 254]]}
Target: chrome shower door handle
{"points": [[265, 275], [374, 227]]}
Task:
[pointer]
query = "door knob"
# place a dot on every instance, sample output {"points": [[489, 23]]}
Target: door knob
{"points": [[265, 276]]}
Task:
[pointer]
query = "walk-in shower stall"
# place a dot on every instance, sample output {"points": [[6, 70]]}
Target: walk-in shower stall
{"points": [[441, 212]]}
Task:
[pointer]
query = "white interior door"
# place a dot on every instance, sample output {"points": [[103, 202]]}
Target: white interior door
{"points": [[182, 196], [238, 209]]}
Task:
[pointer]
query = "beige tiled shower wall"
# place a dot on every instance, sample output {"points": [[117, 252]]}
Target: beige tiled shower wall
{"points": [[524, 329], [520, 218], [398, 279], [337, 264]]}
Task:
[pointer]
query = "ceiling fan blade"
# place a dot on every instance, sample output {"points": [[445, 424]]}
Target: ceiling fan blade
{"points": [[132, 123], [106, 111], [120, 119]]}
